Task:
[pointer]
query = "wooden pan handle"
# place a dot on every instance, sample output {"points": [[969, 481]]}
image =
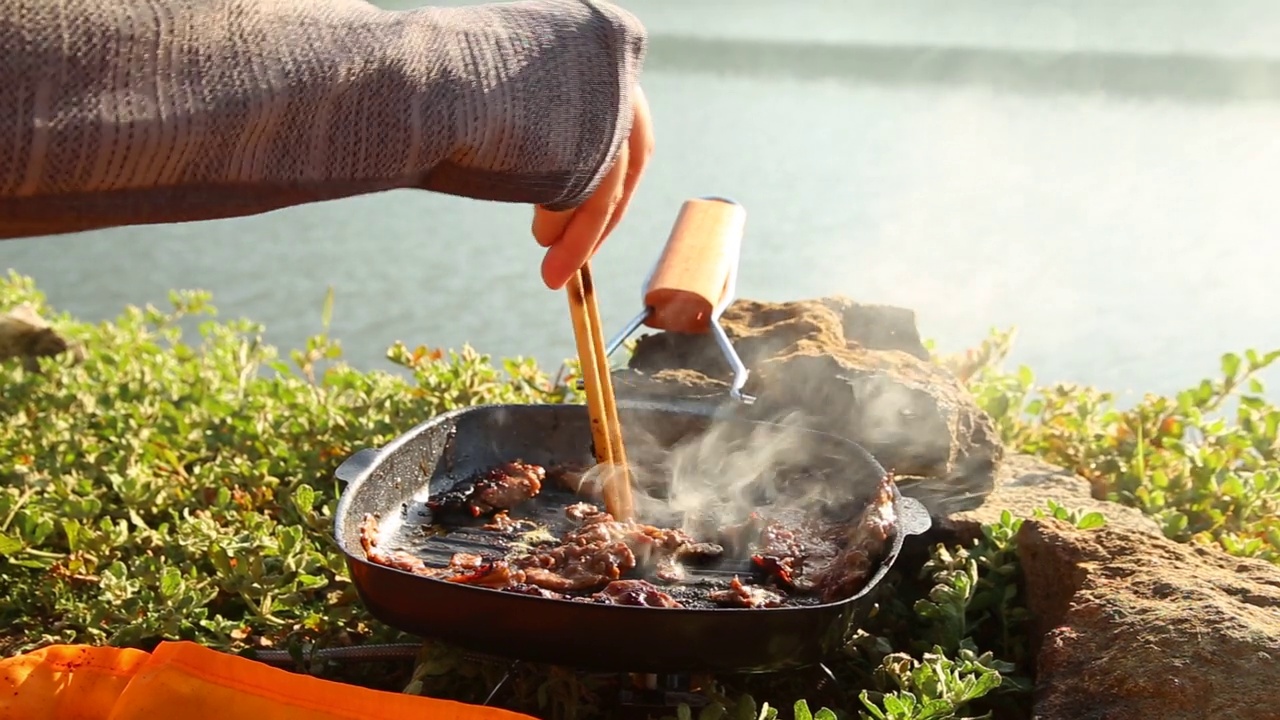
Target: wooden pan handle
{"points": [[693, 271]]}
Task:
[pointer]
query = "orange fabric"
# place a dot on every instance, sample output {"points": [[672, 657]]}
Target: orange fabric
{"points": [[77, 683], [66, 682]]}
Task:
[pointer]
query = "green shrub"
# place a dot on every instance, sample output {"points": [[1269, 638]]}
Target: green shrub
{"points": [[168, 488], [181, 487]]}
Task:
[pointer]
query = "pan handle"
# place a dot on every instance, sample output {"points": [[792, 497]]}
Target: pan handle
{"points": [[915, 519], [356, 465], [695, 276]]}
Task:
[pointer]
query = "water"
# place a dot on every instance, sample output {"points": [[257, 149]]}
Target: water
{"points": [[1101, 177]]}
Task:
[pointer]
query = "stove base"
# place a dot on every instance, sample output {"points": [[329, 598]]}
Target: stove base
{"points": [[644, 695]]}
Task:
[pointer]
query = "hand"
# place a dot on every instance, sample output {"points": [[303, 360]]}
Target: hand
{"points": [[572, 237]]}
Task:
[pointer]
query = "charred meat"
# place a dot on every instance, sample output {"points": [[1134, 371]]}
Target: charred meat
{"points": [[534, 590], [595, 558], [633, 592], [488, 573], [781, 555], [863, 546], [504, 523], [391, 558], [745, 596], [501, 488], [601, 550]]}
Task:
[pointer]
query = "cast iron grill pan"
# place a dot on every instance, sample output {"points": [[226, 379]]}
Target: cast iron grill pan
{"points": [[394, 483]]}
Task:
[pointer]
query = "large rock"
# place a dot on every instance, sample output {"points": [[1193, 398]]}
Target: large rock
{"points": [[1135, 626], [27, 336], [859, 371], [1025, 484]]}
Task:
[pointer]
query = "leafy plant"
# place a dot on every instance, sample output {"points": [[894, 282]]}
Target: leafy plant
{"points": [[178, 483], [164, 488]]}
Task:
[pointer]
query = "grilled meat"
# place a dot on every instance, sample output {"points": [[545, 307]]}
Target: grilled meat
{"points": [[633, 592], [534, 590], [739, 595], [578, 480], [488, 573], [391, 558], [578, 512], [504, 523], [501, 488], [601, 550], [617, 562], [864, 543]]}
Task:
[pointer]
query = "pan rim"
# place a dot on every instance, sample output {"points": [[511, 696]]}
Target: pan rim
{"points": [[903, 525]]}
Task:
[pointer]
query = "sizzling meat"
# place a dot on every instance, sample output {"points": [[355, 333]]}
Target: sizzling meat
{"points": [[746, 596], [575, 479], [602, 560], [601, 550], [391, 558], [504, 523], [500, 488], [633, 592], [865, 542]]}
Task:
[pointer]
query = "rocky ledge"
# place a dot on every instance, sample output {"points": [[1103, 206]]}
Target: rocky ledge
{"points": [[1135, 626], [1127, 623], [854, 370]]}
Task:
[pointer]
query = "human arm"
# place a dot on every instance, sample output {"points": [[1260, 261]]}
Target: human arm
{"points": [[126, 112]]}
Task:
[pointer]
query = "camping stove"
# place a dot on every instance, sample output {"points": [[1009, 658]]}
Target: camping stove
{"points": [[643, 696]]}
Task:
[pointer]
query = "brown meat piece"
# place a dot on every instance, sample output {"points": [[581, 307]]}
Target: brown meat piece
{"points": [[501, 488], [845, 575], [579, 481], [579, 512], [601, 550], [534, 590], [634, 592], [504, 523], [569, 566], [739, 595], [490, 574], [390, 558]]}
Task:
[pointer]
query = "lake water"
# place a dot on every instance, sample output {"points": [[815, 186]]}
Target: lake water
{"points": [[1103, 176]]}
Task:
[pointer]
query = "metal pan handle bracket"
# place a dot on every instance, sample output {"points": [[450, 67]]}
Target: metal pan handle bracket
{"points": [[695, 280]]}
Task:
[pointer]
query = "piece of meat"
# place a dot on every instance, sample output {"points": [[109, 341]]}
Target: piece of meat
{"points": [[746, 596], [601, 550], [534, 590], [578, 480], [501, 488], [504, 523], [740, 538], [490, 574], [572, 567], [579, 512], [864, 545], [633, 592], [391, 558]]}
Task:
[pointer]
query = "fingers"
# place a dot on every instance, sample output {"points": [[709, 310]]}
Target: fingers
{"points": [[587, 223], [549, 225], [640, 149]]}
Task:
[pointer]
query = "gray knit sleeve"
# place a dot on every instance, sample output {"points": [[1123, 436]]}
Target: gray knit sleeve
{"points": [[116, 112]]}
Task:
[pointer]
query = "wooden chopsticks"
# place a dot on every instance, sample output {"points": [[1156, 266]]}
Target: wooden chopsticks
{"points": [[601, 406]]}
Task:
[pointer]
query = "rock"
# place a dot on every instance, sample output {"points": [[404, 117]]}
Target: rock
{"points": [[858, 371], [1135, 626], [26, 335], [1025, 484]]}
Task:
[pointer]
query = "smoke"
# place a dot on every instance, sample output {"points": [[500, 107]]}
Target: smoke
{"points": [[702, 475]]}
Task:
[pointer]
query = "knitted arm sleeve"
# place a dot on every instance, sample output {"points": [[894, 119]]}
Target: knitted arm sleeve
{"points": [[120, 112]]}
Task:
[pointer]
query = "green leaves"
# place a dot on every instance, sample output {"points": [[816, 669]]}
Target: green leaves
{"points": [[178, 485], [1204, 470]]}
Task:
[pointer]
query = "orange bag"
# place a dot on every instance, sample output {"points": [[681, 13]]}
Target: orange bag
{"points": [[71, 682]]}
